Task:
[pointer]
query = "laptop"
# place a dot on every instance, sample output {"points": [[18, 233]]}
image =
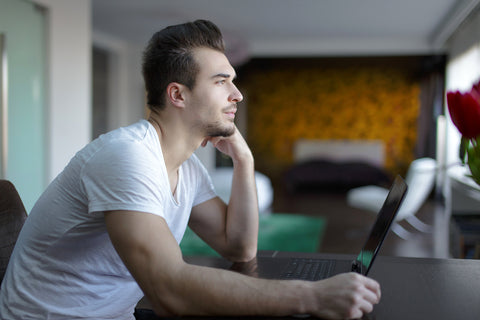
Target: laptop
{"points": [[272, 267]]}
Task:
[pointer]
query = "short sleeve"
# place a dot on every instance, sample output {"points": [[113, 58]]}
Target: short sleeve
{"points": [[124, 175]]}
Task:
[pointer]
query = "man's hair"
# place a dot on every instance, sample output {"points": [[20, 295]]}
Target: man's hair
{"points": [[168, 57]]}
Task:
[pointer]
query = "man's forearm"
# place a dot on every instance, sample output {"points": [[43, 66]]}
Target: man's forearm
{"points": [[242, 216], [239, 228], [206, 291]]}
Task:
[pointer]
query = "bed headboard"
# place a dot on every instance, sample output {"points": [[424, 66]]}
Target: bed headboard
{"points": [[368, 151]]}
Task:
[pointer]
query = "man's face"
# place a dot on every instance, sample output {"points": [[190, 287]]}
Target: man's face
{"points": [[213, 100]]}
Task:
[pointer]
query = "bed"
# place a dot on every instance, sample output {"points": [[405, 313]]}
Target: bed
{"points": [[336, 165]]}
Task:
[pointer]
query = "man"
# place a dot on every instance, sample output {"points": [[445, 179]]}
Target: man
{"points": [[106, 230]]}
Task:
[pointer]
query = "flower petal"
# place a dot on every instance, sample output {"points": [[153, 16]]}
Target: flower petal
{"points": [[465, 112], [454, 105], [476, 88]]}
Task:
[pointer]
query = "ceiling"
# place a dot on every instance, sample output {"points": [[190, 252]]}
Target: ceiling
{"points": [[295, 27]]}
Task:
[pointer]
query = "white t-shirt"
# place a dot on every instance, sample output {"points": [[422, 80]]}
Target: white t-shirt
{"points": [[64, 265]]}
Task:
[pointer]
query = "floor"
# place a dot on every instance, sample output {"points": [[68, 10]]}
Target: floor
{"points": [[347, 227]]}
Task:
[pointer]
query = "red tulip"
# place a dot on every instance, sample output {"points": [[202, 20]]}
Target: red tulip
{"points": [[464, 110], [476, 87]]}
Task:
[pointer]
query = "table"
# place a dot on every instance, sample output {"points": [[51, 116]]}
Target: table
{"points": [[412, 288]]}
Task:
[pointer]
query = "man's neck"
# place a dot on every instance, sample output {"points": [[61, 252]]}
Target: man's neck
{"points": [[178, 143]]}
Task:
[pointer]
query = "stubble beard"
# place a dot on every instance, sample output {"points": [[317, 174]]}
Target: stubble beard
{"points": [[219, 130]]}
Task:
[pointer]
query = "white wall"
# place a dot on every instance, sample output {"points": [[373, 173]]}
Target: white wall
{"points": [[126, 90], [69, 80]]}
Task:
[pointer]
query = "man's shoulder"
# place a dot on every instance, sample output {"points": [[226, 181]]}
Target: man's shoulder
{"points": [[135, 138], [138, 131]]}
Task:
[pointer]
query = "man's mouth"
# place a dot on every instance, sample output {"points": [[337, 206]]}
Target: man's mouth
{"points": [[231, 113]]}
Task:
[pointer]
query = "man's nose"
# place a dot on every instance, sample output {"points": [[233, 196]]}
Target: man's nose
{"points": [[236, 95]]}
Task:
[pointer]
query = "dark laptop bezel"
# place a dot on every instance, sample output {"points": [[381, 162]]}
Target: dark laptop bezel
{"points": [[382, 225]]}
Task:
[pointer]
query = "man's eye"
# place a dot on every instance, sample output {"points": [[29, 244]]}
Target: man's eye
{"points": [[221, 81]]}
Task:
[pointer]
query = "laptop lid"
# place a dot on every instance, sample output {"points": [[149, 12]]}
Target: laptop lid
{"points": [[279, 265], [381, 226]]}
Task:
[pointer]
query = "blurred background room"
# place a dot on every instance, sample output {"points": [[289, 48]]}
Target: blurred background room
{"points": [[338, 95]]}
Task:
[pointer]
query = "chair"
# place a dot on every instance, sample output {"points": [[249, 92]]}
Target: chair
{"points": [[222, 181], [420, 180], [12, 218]]}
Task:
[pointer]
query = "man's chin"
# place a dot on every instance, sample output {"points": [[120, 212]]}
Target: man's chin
{"points": [[222, 132]]}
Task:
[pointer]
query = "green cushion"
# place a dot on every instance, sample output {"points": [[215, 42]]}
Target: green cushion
{"points": [[277, 231]]}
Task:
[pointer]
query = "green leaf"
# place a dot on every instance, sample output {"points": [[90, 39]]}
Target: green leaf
{"points": [[464, 142], [474, 161]]}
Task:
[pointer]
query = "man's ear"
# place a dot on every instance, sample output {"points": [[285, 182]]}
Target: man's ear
{"points": [[176, 94]]}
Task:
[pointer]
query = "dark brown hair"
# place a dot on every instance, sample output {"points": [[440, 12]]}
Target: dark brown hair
{"points": [[168, 57]]}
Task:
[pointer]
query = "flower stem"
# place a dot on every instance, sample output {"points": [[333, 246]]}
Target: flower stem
{"points": [[474, 142]]}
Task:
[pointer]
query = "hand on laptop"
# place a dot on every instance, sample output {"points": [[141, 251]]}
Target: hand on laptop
{"points": [[347, 295]]}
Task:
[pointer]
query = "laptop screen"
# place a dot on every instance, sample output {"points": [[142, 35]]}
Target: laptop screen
{"points": [[382, 225]]}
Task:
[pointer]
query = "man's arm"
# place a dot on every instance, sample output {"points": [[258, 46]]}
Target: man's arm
{"points": [[153, 257], [231, 230]]}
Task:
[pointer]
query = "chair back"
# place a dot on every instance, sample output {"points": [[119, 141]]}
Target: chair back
{"points": [[12, 218], [420, 179]]}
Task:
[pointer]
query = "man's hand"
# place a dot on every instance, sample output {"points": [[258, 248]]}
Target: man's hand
{"points": [[346, 296], [234, 146]]}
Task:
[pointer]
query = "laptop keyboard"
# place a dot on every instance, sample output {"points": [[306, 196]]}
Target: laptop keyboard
{"points": [[309, 269]]}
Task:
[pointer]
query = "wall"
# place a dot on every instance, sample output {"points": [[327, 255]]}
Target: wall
{"points": [[125, 95], [358, 98], [69, 80]]}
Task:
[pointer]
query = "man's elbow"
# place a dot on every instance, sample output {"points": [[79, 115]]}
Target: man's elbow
{"points": [[249, 255], [243, 254], [168, 302], [167, 308]]}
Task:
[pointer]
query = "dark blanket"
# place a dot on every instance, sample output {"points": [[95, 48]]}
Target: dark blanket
{"points": [[330, 176]]}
